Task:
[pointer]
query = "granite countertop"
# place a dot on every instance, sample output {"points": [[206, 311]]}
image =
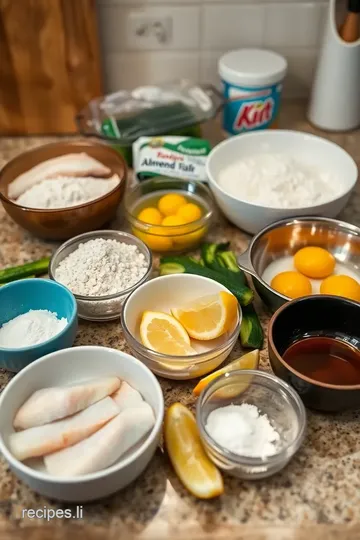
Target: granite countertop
{"points": [[318, 493]]}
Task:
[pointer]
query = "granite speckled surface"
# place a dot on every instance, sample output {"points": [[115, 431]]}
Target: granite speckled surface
{"points": [[317, 495]]}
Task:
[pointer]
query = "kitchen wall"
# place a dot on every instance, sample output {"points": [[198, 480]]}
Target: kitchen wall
{"points": [[151, 41]]}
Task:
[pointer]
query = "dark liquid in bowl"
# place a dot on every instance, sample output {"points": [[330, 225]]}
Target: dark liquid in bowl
{"points": [[325, 359]]}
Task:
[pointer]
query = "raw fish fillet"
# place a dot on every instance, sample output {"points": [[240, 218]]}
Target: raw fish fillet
{"points": [[41, 440], [68, 165], [127, 397], [50, 404], [104, 447]]}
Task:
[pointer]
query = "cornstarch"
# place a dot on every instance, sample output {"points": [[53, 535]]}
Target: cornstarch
{"points": [[243, 430], [279, 181], [31, 328], [65, 191]]}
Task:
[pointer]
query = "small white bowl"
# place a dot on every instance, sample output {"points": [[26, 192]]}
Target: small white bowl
{"points": [[162, 294], [314, 150], [70, 366]]}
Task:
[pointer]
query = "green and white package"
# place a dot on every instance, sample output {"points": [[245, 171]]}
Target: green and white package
{"points": [[177, 157]]}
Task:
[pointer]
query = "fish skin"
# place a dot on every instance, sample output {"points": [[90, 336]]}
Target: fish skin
{"points": [[105, 447], [126, 396], [41, 440], [80, 164], [49, 404]]}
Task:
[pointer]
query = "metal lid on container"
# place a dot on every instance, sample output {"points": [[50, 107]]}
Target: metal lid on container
{"points": [[252, 67]]}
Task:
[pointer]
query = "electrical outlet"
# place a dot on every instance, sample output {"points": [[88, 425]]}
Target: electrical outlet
{"points": [[148, 32]]}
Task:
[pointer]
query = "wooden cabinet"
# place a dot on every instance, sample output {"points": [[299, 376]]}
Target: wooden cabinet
{"points": [[49, 64]]}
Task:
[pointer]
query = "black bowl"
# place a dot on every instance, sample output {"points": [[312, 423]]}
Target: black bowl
{"points": [[330, 315]]}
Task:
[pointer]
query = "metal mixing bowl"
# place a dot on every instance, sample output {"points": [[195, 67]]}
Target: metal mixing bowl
{"points": [[286, 237]]}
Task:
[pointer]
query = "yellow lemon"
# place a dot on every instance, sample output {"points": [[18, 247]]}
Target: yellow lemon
{"points": [[341, 285], [208, 317], [187, 455], [164, 334], [247, 361], [169, 204], [292, 284], [150, 215], [314, 262], [189, 212]]}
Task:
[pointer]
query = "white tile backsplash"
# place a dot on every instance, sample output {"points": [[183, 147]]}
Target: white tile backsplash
{"points": [[232, 26], [115, 21], [128, 70], [201, 31], [292, 25]]}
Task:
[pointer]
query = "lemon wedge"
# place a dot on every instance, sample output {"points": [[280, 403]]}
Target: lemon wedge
{"points": [[247, 361], [208, 317], [187, 455], [164, 334]]}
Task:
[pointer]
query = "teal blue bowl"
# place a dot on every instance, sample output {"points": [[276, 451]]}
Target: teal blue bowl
{"points": [[20, 297]]}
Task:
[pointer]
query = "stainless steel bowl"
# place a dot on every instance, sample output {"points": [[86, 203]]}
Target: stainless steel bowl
{"points": [[286, 237]]}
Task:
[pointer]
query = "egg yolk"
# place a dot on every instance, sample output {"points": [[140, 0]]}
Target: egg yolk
{"points": [[150, 215], [169, 204], [189, 212], [314, 262], [341, 285], [291, 284]]}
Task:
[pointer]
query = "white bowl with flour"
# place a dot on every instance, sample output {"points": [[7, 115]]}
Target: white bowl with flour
{"points": [[265, 176]]}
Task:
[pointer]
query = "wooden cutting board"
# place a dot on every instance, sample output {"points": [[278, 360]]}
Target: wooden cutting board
{"points": [[49, 64]]}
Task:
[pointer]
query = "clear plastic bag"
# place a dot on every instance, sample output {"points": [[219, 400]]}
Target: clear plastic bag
{"points": [[125, 116]]}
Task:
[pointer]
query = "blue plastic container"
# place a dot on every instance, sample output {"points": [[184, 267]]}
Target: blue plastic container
{"points": [[21, 296], [252, 86]]}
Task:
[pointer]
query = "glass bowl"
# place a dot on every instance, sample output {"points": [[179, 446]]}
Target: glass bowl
{"points": [[160, 294], [101, 308], [165, 239], [272, 397]]}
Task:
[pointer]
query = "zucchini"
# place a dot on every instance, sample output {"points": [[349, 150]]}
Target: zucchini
{"points": [[251, 332], [208, 255], [27, 277], [36, 268], [182, 264]]}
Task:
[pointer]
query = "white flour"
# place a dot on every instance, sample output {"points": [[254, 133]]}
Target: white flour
{"points": [[279, 181], [64, 191], [100, 267], [31, 328], [243, 430]]}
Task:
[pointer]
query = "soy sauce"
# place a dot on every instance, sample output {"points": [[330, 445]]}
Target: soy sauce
{"points": [[325, 359]]}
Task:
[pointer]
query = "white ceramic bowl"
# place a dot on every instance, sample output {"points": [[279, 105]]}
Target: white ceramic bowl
{"points": [[70, 366], [314, 150], [162, 294]]}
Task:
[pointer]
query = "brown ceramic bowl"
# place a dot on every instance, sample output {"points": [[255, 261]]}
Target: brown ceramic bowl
{"points": [[63, 223], [324, 315]]}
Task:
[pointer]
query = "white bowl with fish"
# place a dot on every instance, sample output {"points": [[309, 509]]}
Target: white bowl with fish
{"points": [[82, 423], [264, 176]]}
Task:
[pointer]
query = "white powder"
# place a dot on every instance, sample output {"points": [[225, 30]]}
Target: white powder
{"points": [[100, 267], [31, 328], [279, 181], [64, 191], [243, 430]]}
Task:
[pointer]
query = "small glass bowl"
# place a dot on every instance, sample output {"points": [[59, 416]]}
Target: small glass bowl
{"points": [[154, 296], [272, 397], [164, 239], [101, 308]]}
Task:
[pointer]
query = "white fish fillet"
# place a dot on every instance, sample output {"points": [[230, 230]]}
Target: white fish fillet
{"points": [[80, 164], [50, 404], [104, 447], [127, 397], [41, 440]]}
